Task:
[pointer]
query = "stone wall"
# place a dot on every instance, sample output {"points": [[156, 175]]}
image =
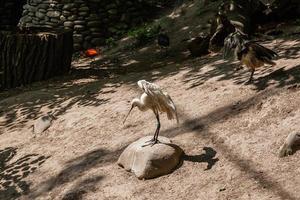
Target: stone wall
{"points": [[92, 21], [10, 13]]}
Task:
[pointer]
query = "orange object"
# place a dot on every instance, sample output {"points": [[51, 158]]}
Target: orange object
{"points": [[91, 52]]}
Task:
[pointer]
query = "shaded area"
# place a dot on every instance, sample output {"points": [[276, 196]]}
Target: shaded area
{"points": [[225, 70], [75, 91], [58, 96], [74, 170], [12, 174], [85, 94], [77, 167], [27, 58], [296, 147], [288, 47], [81, 188], [10, 13], [207, 157], [282, 77], [87, 83]]}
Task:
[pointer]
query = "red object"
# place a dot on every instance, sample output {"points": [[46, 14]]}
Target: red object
{"points": [[91, 52]]}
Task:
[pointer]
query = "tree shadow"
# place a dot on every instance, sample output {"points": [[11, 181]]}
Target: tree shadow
{"points": [[62, 93], [288, 47], [82, 188], [280, 78], [74, 170], [59, 95], [74, 90], [207, 157], [12, 174], [221, 70]]}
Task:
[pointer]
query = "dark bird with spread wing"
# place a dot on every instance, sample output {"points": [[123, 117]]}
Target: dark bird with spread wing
{"points": [[157, 100], [250, 53]]}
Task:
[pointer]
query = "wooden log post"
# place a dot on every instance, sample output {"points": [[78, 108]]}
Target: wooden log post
{"points": [[33, 56]]}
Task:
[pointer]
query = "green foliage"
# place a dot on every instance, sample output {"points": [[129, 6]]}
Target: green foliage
{"points": [[144, 33], [111, 42]]}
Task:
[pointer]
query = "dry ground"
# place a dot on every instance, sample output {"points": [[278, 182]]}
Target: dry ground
{"points": [[230, 131]]}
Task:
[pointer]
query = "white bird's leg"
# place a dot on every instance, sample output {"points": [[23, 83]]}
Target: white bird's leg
{"points": [[157, 129], [154, 140]]}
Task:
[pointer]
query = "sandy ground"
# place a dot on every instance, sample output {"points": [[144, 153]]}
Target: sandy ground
{"points": [[230, 131]]}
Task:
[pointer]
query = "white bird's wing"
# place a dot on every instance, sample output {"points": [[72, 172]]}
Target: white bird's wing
{"points": [[161, 100]]}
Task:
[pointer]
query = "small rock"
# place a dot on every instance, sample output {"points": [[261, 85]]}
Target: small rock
{"points": [[40, 15], [43, 6], [94, 24], [42, 124], [69, 24], [42, 10], [84, 9], [79, 27], [77, 38], [53, 14], [79, 22], [83, 13], [54, 20], [67, 13], [147, 161], [68, 6], [72, 17]]}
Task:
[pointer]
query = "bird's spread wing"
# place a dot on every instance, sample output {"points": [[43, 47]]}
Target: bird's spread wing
{"points": [[234, 40], [150, 89], [161, 100], [262, 52]]}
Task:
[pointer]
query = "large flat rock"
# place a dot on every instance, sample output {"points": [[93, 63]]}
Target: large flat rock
{"points": [[147, 161]]}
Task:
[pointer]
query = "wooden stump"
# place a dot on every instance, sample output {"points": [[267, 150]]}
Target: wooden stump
{"points": [[30, 57]]}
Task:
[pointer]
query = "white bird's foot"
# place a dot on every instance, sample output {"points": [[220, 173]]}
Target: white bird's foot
{"points": [[151, 142], [155, 142]]}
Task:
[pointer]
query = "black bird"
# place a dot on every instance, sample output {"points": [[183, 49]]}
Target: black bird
{"points": [[250, 53], [163, 39]]}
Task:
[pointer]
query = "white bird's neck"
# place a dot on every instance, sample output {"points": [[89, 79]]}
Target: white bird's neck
{"points": [[140, 105]]}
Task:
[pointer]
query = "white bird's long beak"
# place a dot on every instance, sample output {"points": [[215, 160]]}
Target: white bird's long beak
{"points": [[128, 114]]}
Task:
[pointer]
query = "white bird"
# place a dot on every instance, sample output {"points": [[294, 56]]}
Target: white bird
{"points": [[155, 99]]}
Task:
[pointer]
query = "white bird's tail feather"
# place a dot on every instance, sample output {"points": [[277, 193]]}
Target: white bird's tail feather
{"points": [[172, 113]]}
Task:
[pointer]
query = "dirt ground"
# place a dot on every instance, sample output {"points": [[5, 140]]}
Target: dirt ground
{"points": [[231, 132]]}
